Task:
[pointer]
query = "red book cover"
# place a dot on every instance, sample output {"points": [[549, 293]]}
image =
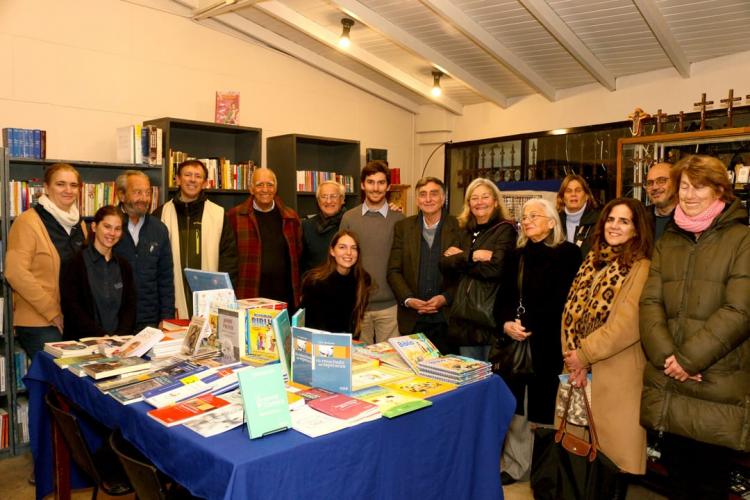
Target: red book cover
{"points": [[227, 108], [186, 411], [343, 407]]}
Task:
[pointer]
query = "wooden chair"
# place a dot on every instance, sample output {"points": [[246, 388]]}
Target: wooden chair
{"points": [[68, 426]]}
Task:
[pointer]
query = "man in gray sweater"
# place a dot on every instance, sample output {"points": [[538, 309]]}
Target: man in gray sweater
{"points": [[373, 223]]}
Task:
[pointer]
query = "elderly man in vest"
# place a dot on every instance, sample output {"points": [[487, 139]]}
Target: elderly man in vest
{"points": [[269, 243], [199, 234]]}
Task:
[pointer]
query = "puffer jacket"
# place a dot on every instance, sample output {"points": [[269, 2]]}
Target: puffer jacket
{"points": [[696, 305]]}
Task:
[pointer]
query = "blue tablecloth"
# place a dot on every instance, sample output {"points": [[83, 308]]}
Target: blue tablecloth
{"points": [[450, 450]]}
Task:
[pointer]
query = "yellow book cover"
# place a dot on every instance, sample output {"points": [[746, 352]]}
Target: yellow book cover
{"points": [[420, 387], [262, 339]]}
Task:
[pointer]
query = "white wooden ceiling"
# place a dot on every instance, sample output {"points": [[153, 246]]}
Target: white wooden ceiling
{"points": [[490, 50]]}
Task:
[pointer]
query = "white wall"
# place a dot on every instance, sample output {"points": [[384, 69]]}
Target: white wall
{"points": [[81, 68], [593, 104]]}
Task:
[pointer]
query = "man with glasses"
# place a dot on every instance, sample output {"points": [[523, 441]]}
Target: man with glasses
{"points": [[422, 292], [269, 243], [146, 247], [663, 197], [318, 229], [200, 236]]}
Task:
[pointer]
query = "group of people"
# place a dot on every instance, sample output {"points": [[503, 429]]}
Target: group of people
{"points": [[651, 306]]}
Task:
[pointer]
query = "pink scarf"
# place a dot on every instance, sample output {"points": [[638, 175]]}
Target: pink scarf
{"points": [[700, 222]]}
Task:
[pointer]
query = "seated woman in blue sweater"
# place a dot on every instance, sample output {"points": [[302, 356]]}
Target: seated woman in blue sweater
{"points": [[97, 290], [335, 293]]}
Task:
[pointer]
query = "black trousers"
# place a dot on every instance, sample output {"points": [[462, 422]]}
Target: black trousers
{"points": [[695, 470]]}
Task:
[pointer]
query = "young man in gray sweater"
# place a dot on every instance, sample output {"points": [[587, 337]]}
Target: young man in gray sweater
{"points": [[373, 222]]}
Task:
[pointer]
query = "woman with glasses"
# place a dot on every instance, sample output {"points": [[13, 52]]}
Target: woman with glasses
{"points": [[484, 253], [40, 243], [695, 326], [318, 229], [547, 264], [578, 211]]}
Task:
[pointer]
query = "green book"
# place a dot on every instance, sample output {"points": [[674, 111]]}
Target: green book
{"points": [[265, 401]]}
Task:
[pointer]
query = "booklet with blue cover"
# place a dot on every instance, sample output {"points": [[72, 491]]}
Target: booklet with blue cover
{"points": [[265, 401], [200, 280], [322, 359], [283, 332]]}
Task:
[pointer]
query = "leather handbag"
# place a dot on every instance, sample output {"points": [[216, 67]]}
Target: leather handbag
{"points": [[510, 358], [566, 466]]}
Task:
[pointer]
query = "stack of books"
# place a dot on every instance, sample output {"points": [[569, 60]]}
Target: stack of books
{"points": [[25, 143], [455, 369]]}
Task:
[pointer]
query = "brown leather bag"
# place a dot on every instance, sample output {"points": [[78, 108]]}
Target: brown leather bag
{"points": [[574, 444]]}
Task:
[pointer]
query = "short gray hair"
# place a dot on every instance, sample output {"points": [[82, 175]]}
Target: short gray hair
{"points": [[265, 169], [121, 183], [339, 186], [556, 236]]}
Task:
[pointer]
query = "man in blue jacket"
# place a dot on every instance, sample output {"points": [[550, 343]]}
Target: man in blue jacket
{"points": [[146, 247]]}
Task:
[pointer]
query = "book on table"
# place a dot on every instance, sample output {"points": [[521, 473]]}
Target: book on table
{"points": [[136, 346], [458, 370], [391, 403], [187, 411], [383, 352], [414, 348], [197, 331], [420, 387], [221, 420], [73, 348], [322, 359], [345, 408], [105, 369], [64, 363], [233, 324], [199, 280], [265, 400], [376, 375], [133, 392]]}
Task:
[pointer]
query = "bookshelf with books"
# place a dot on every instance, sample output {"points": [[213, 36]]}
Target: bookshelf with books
{"points": [[230, 152], [21, 180], [302, 161]]}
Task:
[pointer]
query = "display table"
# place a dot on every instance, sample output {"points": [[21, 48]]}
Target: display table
{"points": [[449, 450]]}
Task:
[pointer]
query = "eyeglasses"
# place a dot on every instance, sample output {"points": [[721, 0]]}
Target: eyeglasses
{"points": [[329, 197], [265, 185], [659, 181], [533, 217]]}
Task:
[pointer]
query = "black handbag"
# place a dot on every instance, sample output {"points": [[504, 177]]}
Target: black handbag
{"points": [[510, 358], [566, 467]]}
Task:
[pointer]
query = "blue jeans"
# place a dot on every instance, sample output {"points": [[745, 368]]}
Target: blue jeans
{"points": [[33, 338], [480, 352]]}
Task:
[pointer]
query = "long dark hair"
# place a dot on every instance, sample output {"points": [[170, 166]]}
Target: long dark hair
{"points": [[640, 246], [362, 277]]}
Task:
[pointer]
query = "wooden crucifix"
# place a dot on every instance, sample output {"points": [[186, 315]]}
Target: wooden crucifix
{"points": [[658, 117], [681, 122], [729, 101], [703, 103]]}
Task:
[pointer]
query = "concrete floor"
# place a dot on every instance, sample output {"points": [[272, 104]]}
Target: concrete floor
{"points": [[15, 486]]}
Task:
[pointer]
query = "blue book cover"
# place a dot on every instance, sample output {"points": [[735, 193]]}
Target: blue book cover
{"points": [[283, 331], [37, 143], [298, 319], [265, 400], [322, 359], [200, 281]]}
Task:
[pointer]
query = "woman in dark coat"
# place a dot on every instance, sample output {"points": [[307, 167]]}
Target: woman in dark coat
{"points": [[98, 293], [485, 252], [547, 264], [578, 211], [695, 329]]}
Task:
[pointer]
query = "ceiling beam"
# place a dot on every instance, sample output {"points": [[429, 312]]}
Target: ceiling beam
{"points": [[221, 7], [565, 36], [472, 30], [318, 32], [667, 40], [368, 17], [238, 26]]}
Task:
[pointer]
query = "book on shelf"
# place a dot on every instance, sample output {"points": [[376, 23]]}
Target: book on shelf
{"points": [[420, 387], [265, 400], [186, 411], [222, 420], [414, 348], [309, 180], [222, 172], [322, 359], [25, 143], [227, 109], [105, 369], [139, 144], [391, 403]]}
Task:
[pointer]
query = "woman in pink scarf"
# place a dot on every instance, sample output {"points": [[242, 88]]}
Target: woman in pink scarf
{"points": [[695, 329]]}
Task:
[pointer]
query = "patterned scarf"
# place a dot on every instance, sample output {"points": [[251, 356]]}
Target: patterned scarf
{"points": [[591, 296]]}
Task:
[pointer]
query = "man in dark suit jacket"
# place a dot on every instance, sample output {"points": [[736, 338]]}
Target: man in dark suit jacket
{"points": [[423, 295]]}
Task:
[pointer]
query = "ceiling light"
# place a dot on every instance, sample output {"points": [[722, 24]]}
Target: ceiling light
{"points": [[344, 40], [436, 90]]}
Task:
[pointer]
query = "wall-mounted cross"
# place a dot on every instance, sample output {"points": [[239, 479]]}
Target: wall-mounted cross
{"points": [[703, 103], [658, 117], [729, 101]]}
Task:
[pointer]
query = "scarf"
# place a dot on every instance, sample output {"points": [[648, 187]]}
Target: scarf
{"points": [[572, 219], [698, 223], [66, 219], [591, 296], [324, 224]]}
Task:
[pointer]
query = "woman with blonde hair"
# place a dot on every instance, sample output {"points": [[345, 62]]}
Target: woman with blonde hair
{"points": [[547, 264], [40, 243], [484, 253], [695, 327]]}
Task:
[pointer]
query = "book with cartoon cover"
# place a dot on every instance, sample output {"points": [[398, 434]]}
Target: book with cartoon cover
{"points": [[414, 348], [377, 375], [322, 359], [420, 387], [391, 403]]}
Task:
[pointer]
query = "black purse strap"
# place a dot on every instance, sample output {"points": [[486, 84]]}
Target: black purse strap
{"points": [[520, 310]]}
